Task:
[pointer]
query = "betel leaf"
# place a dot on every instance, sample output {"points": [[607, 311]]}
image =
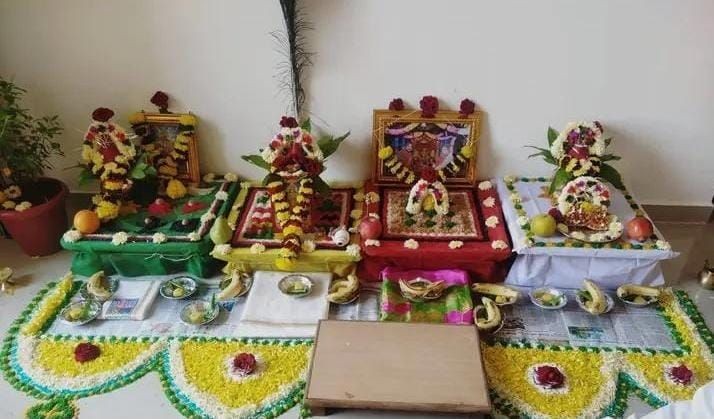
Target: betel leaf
{"points": [[321, 187], [328, 144], [256, 160], [306, 125], [560, 178], [270, 177], [608, 157], [611, 175], [552, 135]]}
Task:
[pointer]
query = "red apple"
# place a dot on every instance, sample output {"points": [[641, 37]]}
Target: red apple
{"points": [[370, 228], [639, 228]]}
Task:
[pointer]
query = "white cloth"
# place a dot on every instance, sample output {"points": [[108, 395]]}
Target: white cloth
{"points": [[533, 204], [268, 312], [701, 406]]}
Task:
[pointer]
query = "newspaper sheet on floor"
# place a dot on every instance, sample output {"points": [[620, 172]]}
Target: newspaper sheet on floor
{"points": [[624, 326]]}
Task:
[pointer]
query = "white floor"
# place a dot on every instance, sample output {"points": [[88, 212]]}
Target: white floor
{"points": [[145, 399]]}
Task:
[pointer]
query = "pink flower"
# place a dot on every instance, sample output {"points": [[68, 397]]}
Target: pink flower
{"points": [[288, 122], [549, 377]]}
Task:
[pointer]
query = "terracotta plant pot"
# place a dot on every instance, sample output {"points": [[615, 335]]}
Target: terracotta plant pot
{"points": [[38, 229]]}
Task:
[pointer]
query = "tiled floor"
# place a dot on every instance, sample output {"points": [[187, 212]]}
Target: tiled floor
{"points": [[145, 399]]}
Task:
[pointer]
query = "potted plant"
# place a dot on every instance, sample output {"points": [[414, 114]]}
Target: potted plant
{"points": [[32, 207]]}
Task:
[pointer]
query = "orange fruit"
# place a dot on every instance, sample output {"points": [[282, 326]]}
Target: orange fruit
{"points": [[86, 221]]}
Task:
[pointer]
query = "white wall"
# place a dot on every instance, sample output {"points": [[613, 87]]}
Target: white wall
{"points": [[643, 67]]}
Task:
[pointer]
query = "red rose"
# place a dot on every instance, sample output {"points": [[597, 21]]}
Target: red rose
{"points": [[429, 174], [161, 100], [85, 352], [429, 106], [681, 374], [313, 167], [549, 377], [396, 104], [556, 214], [102, 114], [288, 122], [244, 363], [467, 107]]}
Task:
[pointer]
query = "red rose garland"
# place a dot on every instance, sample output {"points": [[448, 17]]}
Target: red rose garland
{"points": [[396, 104], [429, 106], [467, 107], [85, 352]]}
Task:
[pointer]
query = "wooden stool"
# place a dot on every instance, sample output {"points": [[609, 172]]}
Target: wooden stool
{"points": [[397, 366]]}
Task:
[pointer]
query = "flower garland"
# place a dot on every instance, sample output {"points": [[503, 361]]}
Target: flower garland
{"points": [[530, 239], [294, 161], [434, 192], [108, 154]]}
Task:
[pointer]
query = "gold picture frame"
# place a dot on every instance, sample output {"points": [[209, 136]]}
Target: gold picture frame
{"points": [[419, 142], [164, 127]]}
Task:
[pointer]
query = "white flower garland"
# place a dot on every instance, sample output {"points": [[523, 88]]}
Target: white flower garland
{"points": [[492, 221], [489, 202], [411, 244], [499, 245], [71, 236], [583, 189], [485, 185], [421, 190], [159, 238], [455, 244], [119, 238]]}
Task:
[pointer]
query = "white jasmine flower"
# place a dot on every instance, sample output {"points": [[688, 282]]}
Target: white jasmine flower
{"points": [[209, 177], [72, 236], [372, 242], [159, 238], [207, 217], [485, 185], [268, 154], [119, 238], [522, 220], [308, 246], [221, 195], [257, 248], [8, 205], [411, 244], [455, 244], [358, 197], [371, 197], [230, 177], [193, 236], [13, 192], [22, 206], [499, 245], [509, 179], [663, 245], [515, 197], [492, 221], [222, 249], [489, 202], [353, 250]]}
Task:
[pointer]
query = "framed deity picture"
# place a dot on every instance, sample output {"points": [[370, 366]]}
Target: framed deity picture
{"points": [[419, 143], [171, 145]]}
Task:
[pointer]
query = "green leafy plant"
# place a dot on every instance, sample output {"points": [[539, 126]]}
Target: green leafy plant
{"points": [[26, 142], [565, 165]]}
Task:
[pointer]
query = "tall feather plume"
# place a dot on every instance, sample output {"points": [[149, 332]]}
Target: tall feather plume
{"points": [[292, 45]]}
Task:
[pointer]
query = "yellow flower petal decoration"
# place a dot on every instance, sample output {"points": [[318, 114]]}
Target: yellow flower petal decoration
{"points": [[57, 357], [385, 152], [291, 229], [188, 120]]}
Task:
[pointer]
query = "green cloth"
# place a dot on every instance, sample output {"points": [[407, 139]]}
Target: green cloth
{"points": [[454, 306], [146, 258]]}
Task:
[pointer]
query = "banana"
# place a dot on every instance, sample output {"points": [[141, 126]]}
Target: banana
{"points": [[430, 291], [342, 290], [493, 315], [638, 290], [98, 287], [501, 293], [598, 302], [234, 287]]}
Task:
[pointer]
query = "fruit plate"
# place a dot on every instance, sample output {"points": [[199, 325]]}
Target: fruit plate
{"points": [[610, 303], [246, 283], [295, 285], [80, 312], [647, 300], [113, 286], [591, 236], [199, 312], [537, 298], [178, 288]]}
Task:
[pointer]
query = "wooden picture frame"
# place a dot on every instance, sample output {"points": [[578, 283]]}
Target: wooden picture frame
{"points": [[438, 140], [164, 127]]}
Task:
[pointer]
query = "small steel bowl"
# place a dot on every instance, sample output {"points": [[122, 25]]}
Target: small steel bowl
{"points": [[186, 282], [610, 303], [287, 283], [648, 301], [553, 291], [93, 311], [204, 305], [113, 286]]}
